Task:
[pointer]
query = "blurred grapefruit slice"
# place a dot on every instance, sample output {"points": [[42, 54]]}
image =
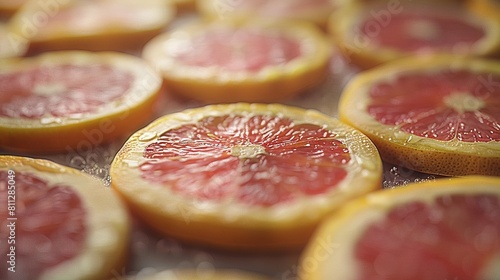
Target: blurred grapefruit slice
{"points": [[314, 11], [250, 177], [67, 224], [235, 61], [443, 229], [93, 25], [70, 100], [372, 34], [436, 115]]}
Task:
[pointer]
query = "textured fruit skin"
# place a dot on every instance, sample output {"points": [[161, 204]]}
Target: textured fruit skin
{"points": [[271, 84], [434, 161], [233, 226], [449, 158], [317, 262], [273, 90], [77, 134]]}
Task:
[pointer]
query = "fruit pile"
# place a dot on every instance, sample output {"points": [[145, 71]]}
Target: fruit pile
{"points": [[181, 126]]}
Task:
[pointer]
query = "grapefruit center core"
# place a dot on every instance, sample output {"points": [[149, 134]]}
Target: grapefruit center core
{"points": [[463, 102], [247, 151]]}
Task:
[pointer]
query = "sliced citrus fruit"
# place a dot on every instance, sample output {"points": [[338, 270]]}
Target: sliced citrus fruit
{"points": [[61, 223], [436, 115], [443, 229], [67, 100], [314, 11], [202, 274], [252, 177], [94, 25], [9, 45], [236, 61], [375, 33]]}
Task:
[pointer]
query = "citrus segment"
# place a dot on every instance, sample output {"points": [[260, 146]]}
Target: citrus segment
{"points": [[437, 115], [445, 229], [244, 174], [66, 224], [240, 61], [315, 11], [60, 100], [96, 25], [379, 32]]}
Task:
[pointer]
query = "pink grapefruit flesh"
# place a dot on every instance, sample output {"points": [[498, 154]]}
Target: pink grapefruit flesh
{"points": [[445, 105], [61, 90], [239, 50], [255, 160], [50, 225], [413, 32], [451, 238]]}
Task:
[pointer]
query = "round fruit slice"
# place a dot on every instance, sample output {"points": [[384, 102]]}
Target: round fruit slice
{"points": [[252, 177], [234, 61], [66, 100], [314, 11], [202, 274], [59, 223], [443, 229], [94, 25], [372, 34], [436, 115]]}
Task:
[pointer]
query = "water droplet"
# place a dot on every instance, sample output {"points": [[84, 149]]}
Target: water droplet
{"points": [[148, 136], [77, 162]]}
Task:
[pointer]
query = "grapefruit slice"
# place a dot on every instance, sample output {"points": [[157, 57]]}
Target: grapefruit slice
{"points": [[65, 224], [250, 177], [70, 100], [202, 274], [314, 11], [372, 34], [235, 61], [443, 229], [93, 25], [436, 115]]}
